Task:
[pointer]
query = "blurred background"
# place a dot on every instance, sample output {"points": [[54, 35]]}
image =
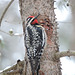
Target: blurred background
{"points": [[12, 46]]}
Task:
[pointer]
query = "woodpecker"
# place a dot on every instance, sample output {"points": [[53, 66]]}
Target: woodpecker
{"points": [[35, 42]]}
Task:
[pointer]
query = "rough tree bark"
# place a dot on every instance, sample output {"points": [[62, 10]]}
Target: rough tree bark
{"points": [[49, 66]]}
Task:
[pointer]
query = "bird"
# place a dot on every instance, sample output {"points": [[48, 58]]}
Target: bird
{"points": [[35, 42]]}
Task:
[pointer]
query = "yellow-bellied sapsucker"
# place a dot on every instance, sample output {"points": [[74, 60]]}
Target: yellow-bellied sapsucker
{"points": [[35, 42]]}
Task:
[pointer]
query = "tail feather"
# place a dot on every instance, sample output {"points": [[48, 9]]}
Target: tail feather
{"points": [[35, 66]]}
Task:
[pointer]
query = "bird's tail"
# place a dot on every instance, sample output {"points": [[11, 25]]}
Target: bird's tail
{"points": [[34, 66]]}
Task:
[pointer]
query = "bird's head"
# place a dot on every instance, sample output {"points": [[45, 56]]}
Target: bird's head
{"points": [[32, 20]]}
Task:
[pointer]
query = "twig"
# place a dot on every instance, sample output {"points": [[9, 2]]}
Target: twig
{"points": [[5, 11], [16, 34], [64, 53]]}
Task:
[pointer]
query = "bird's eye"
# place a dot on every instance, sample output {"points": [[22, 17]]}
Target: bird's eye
{"points": [[28, 19]]}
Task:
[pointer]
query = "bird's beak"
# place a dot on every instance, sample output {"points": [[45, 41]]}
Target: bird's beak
{"points": [[35, 17]]}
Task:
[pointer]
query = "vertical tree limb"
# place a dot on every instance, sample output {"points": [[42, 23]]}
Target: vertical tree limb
{"points": [[46, 9]]}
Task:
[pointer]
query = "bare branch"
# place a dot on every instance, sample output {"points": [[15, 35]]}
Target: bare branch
{"points": [[14, 69], [13, 34], [5, 11], [64, 53], [12, 72]]}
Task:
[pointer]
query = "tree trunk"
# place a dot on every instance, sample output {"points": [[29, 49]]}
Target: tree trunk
{"points": [[72, 5], [48, 65]]}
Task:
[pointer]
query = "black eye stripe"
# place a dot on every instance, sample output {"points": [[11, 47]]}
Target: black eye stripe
{"points": [[28, 19]]}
